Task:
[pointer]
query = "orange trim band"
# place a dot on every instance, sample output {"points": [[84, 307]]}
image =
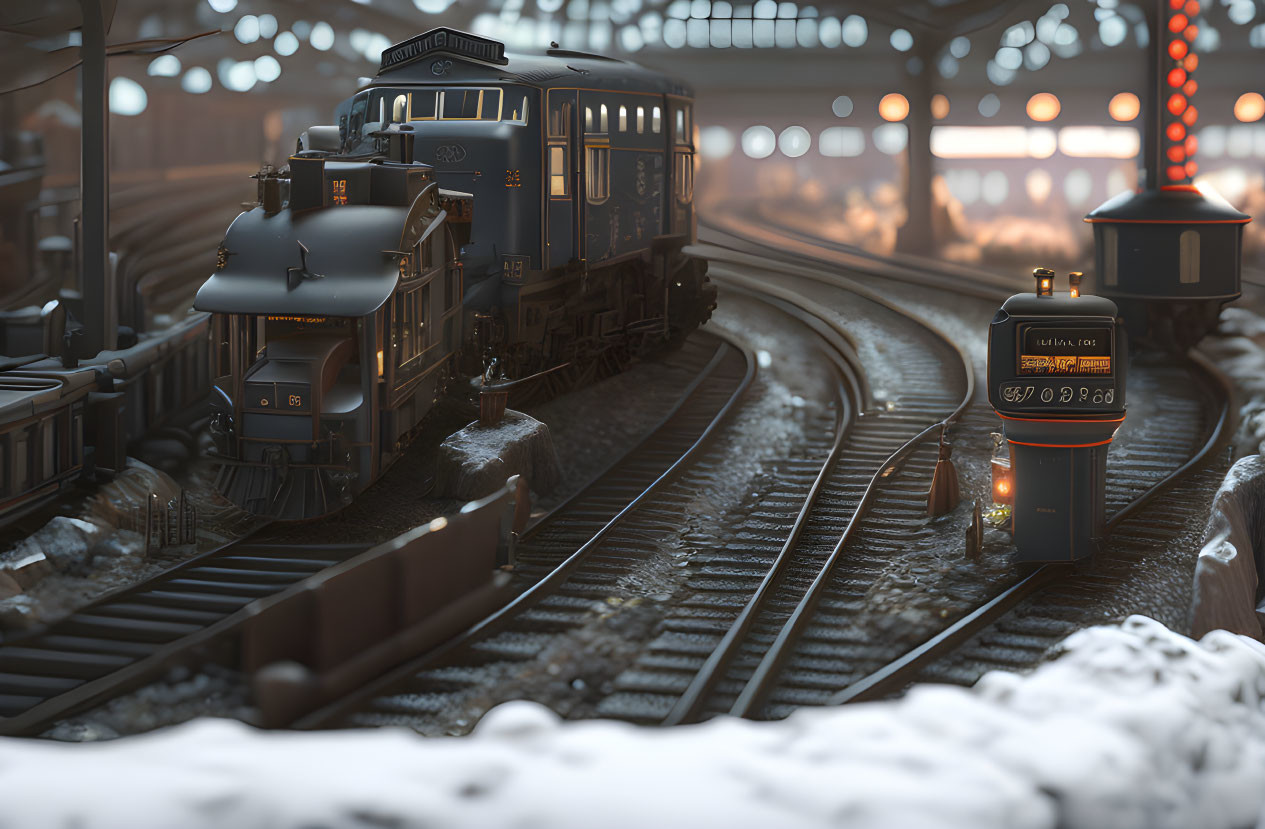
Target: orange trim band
{"points": [[1060, 445], [1181, 188], [1170, 221], [1060, 419]]}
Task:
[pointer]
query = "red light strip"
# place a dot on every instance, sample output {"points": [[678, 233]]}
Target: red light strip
{"points": [[1177, 69]]}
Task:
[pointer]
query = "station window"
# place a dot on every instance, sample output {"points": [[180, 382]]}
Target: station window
{"points": [[623, 119], [598, 180], [558, 177], [1189, 256], [684, 175], [656, 121], [641, 120]]}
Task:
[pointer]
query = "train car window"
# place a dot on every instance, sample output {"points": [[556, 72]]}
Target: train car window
{"points": [[588, 119], [558, 177], [399, 109], [680, 123], [656, 121], [421, 105], [684, 174], [1189, 256], [560, 121], [641, 120], [411, 308], [598, 179], [623, 119], [605, 128]]}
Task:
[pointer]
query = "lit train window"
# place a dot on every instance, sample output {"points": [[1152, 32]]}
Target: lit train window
{"points": [[605, 128], [680, 124], [684, 174], [588, 119], [641, 120], [399, 108], [656, 121], [598, 178], [558, 171], [623, 119], [1189, 256]]}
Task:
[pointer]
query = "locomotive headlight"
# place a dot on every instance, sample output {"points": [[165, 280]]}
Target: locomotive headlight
{"points": [[1003, 482]]}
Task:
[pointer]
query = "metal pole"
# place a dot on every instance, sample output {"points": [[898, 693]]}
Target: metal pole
{"points": [[1153, 135], [96, 279]]}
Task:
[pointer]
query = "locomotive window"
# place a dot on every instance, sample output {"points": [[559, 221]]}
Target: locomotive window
{"points": [[409, 329], [421, 105], [598, 180], [641, 120], [558, 177], [518, 114], [684, 174], [462, 104], [399, 109], [623, 119], [656, 121]]}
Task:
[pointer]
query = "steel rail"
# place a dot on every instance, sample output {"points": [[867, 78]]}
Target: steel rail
{"points": [[558, 575], [900, 672], [690, 706]]}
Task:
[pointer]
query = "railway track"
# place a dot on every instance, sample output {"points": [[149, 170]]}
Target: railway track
{"points": [[1166, 453], [135, 634], [631, 554]]}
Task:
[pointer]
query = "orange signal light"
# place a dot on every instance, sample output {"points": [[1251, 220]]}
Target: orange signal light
{"points": [[1190, 88], [1190, 116], [1192, 9], [1177, 154], [1177, 77], [1191, 63], [1177, 22], [1192, 145], [1191, 169], [1177, 49], [1176, 131], [1176, 172], [1003, 481], [1176, 103], [1191, 33], [1175, 4]]}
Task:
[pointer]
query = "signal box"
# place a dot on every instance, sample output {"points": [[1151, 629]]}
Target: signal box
{"points": [[1056, 376]]}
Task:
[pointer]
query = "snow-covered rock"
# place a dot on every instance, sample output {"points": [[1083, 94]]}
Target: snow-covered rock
{"points": [[1133, 726], [60, 545], [1227, 572], [476, 461]]}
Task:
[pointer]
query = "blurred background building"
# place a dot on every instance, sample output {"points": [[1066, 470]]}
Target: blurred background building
{"points": [[982, 132]]}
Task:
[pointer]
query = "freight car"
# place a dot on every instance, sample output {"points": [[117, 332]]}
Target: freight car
{"points": [[470, 213]]}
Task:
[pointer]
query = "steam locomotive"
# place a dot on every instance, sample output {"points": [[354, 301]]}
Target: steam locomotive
{"points": [[469, 210]]}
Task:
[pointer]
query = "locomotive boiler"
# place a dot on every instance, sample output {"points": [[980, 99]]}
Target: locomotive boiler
{"points": [[470, 213]]}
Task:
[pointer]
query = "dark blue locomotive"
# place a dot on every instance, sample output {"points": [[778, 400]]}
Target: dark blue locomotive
{"points": [[469, 210]]}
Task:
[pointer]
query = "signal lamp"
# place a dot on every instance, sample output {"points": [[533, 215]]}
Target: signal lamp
{"points": [[1176, 131], [1177, 22], [1178, 49], [1176, 103], [1045, 281], [1190, 116], [1003, 481], [1191, 33], [1074, 280]]}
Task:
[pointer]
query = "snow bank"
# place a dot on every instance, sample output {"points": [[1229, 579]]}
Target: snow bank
{"points": [[1227, 572], [1133, 726], [475, 461]]}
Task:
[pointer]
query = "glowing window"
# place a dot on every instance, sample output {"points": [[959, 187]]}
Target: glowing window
{"points": [[558, 171], [623, 119], [641, 120], [656, 121], [588, 119], [604, 125]]}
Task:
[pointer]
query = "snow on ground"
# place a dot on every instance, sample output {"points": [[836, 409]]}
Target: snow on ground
{"points": [[1132, 726]]}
